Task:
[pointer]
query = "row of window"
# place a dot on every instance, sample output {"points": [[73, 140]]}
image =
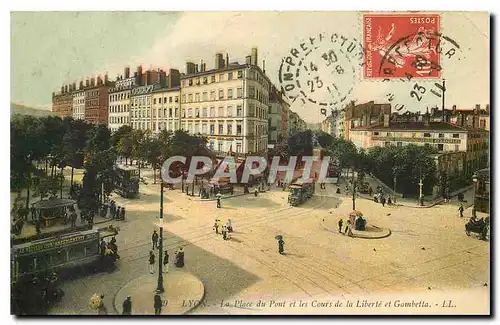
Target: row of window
{"points": [[92, 93], [78, 101], [120, 96], [92, 102], [223, 145], [414, 134], [439, 146], [213, 78], [119, 119], [210, 129], [170, 99], [119, 108]]}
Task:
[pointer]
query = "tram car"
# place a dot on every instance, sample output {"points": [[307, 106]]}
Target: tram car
{"points": [[126, 181], [300, 192], [62, 251]]}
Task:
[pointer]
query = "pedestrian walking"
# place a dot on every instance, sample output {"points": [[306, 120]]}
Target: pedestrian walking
{"points": [[154, 239], [340, 225], [389, 201], [461, 210], [38, 226], [179, 258], [347, 227], [216, 226], [165, 262], [102, 310], [382, 200], [122, 214], [218, 200], [281, 246], [157, 303], [127, 306], [102, 247], [256, 192], [151, 262], [224, 232], [229, 225]]}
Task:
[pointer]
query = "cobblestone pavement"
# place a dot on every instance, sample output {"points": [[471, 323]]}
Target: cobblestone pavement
{"points": [[428, 250]]}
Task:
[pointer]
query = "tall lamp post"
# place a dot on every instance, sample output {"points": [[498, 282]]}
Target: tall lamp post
{"points": [[474, 179], [160, 249]]}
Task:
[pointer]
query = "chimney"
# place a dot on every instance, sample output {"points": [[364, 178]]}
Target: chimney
{"points": [[174, 78], [248, 59], [106, 78], [427, 117], [139, 70], [126, 72], [74, 86], [92, 82], [99, 80], [196, 68], [202, 66], [81, 85], [219, 61], [227, 60], [66, 88], [386, 120], [87, 82], [264, 66], [148, 78], [253, 60]]}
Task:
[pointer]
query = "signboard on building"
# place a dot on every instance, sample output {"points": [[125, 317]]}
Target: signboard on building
{"points": [[56, 242], [425, 140]]}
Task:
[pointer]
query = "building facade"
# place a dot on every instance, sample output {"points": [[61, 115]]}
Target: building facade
{"points": [[166, 113], [119, 100], [228, 104], [276, 107], [477, 117], [361, 115], [79, 103], [473, 143], [62, 102], [97, 101]]}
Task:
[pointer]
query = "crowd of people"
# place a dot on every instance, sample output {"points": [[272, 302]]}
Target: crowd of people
{"points": [[223, 229]]}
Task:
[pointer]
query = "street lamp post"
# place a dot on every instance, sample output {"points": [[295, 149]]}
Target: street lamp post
{"points": [[474, 179], [421, 195], [160, 249], [354, 195]]}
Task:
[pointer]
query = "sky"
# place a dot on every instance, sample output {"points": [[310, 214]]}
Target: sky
{"points": [[49, 49]]}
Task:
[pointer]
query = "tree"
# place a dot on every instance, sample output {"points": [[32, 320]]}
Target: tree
{"points": [[152, 154], [99, 167], [406, 165]]}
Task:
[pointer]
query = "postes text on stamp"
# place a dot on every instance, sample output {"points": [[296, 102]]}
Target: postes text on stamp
{"points": [[394, 42]]}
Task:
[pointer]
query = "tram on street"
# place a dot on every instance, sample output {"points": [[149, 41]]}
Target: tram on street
{"points": [[52, 254], [126, 181], [300, 192]]}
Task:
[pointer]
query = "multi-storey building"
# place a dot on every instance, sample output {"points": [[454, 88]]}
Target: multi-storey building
{"points": [[62, 102], [119, 100], [277, 105], [284, 119], [79, 103], [473, 143], [96, 100], [166, 114], [295, 123], [474, 118], [362, 115], [228, 104]]}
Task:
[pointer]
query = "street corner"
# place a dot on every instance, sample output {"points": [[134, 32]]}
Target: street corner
{"points": [[183, 292]]}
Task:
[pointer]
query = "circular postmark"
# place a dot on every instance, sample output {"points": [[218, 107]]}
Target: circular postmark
{"points": [[321, 70], [421, 55]]}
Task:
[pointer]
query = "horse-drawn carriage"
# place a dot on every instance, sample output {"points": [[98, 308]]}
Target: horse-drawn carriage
{"points": [[480, 227]]}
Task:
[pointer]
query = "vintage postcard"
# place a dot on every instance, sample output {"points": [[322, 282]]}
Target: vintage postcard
{"points": [[250, 163]]}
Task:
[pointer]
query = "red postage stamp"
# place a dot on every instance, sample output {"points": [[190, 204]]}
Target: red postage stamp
{"points": [[401, 45]]}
